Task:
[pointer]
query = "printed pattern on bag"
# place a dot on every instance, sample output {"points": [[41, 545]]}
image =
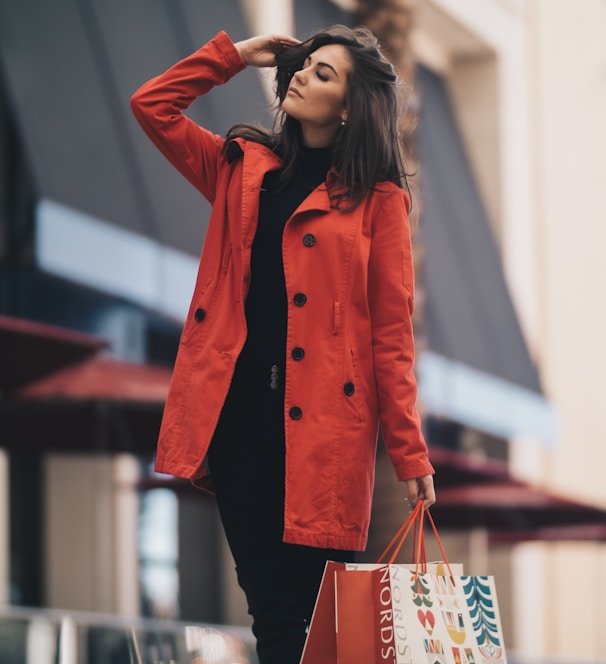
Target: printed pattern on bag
{"points": [[463, 656], [421, 591], [450, 609], [441, 620], [482, 609], [435, 652]]}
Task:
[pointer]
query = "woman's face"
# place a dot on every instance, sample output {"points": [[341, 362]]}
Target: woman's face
{"points": [[316, 94]]}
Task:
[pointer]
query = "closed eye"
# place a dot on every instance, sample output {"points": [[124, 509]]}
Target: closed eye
{"points": [[319, 66]]}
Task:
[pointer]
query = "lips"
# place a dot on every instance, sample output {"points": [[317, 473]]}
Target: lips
{"points": [[294, 91]]}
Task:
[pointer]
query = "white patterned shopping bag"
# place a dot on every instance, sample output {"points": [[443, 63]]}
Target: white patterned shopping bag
{"points": [[445, 620]]}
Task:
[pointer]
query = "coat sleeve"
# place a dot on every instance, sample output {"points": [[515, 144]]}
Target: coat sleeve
{"points": [[391, 291], [159, 104]]}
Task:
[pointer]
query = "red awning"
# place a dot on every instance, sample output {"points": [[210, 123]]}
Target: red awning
{"points": [[100, 404], [30, 350], [103, 378], [513, 510], [456, 469]]}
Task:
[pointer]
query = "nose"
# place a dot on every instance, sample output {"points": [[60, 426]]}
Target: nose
{"points": [[299, 76]]}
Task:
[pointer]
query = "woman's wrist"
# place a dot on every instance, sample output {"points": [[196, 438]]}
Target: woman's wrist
{"points": [[238, 47]]}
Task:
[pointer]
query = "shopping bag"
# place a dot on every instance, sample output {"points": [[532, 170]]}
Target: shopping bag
{"points": [[391, 615], [405, 614], [321, 643]]}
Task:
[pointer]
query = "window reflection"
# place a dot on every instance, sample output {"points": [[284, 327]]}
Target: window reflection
{"points": [[158, 554]]}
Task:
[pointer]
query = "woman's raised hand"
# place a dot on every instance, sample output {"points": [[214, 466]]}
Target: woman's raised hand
{"points": [[261, 51]]}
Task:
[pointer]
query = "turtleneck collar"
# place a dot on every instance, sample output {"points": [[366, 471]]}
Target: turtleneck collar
{"points": [[315, 158]]}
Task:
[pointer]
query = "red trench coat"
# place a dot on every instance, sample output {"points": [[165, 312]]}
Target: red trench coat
{"points": [[350, 300]]}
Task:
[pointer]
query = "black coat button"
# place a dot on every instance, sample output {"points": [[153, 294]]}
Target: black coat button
{"points": [[295, 413], [300, 299], [298, 353], [200, 315], [349, 389], [309, 239]]}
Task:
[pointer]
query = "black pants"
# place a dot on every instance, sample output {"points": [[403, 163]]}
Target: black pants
{"points": [[280, 580]]}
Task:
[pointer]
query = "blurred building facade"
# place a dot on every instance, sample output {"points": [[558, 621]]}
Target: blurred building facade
{"points": [[90, 241], [526, 79]]}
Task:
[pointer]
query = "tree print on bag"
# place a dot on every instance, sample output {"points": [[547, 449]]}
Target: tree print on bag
{"points": [[482, 609], [421, 590]]}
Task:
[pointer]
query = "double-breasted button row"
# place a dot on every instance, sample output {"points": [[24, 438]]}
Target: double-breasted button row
{"points": [[200, 314], [298, 353]]}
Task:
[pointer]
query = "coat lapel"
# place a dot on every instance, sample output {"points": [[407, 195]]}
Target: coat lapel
{"points": [[317, 201], [258, 160]]}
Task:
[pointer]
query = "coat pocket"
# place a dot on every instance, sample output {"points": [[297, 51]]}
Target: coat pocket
{"points": [[198, 305], [336, 317], [352, 386]]}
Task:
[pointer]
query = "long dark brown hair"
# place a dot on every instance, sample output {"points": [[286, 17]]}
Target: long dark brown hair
{"points": [[368, 149]]}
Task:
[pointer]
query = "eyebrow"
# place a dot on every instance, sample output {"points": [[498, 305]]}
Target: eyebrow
{"points": [[323, 64]]}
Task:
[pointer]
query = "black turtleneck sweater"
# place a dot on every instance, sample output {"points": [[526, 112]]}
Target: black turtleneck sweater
{"points": [[256, 396]]}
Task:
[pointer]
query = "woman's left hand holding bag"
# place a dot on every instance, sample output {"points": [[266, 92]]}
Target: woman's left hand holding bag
{"points": [[421, 488]]}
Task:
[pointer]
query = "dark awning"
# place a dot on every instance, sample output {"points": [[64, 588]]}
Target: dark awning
{"points": [[70, 68], [469, 316], [29, 351], [477, 369]]}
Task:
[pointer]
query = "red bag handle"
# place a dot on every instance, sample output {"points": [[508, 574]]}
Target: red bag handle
{"points": [[401, 535], [415, 520]]}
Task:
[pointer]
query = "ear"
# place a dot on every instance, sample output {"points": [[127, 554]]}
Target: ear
{"points": [[344, 115]]}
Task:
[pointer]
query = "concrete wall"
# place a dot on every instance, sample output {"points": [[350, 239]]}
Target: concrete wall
{"points": [[568, 93]]}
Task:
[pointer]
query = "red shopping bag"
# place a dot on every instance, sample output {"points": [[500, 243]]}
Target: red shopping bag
{"points": [[394, 614], [321, 643]]}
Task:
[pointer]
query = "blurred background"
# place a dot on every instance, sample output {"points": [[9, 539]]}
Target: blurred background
{"points": [[101, 560]]}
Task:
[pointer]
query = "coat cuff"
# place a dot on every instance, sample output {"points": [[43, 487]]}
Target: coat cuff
{"points": [[410, 470], [229, 51]]}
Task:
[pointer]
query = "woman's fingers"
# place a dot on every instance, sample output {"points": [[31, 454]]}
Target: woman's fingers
{"points": [[261, 51], [289, 41], [421, 488]]}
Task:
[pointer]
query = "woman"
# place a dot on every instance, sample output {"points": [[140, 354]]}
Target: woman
{"points": [[299, 337]]}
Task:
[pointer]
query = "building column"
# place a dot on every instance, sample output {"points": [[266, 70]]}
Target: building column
{"points": [[91, 511], [126, 550]]}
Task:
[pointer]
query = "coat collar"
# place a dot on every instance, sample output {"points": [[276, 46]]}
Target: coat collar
{"points": [[259, 160]]}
